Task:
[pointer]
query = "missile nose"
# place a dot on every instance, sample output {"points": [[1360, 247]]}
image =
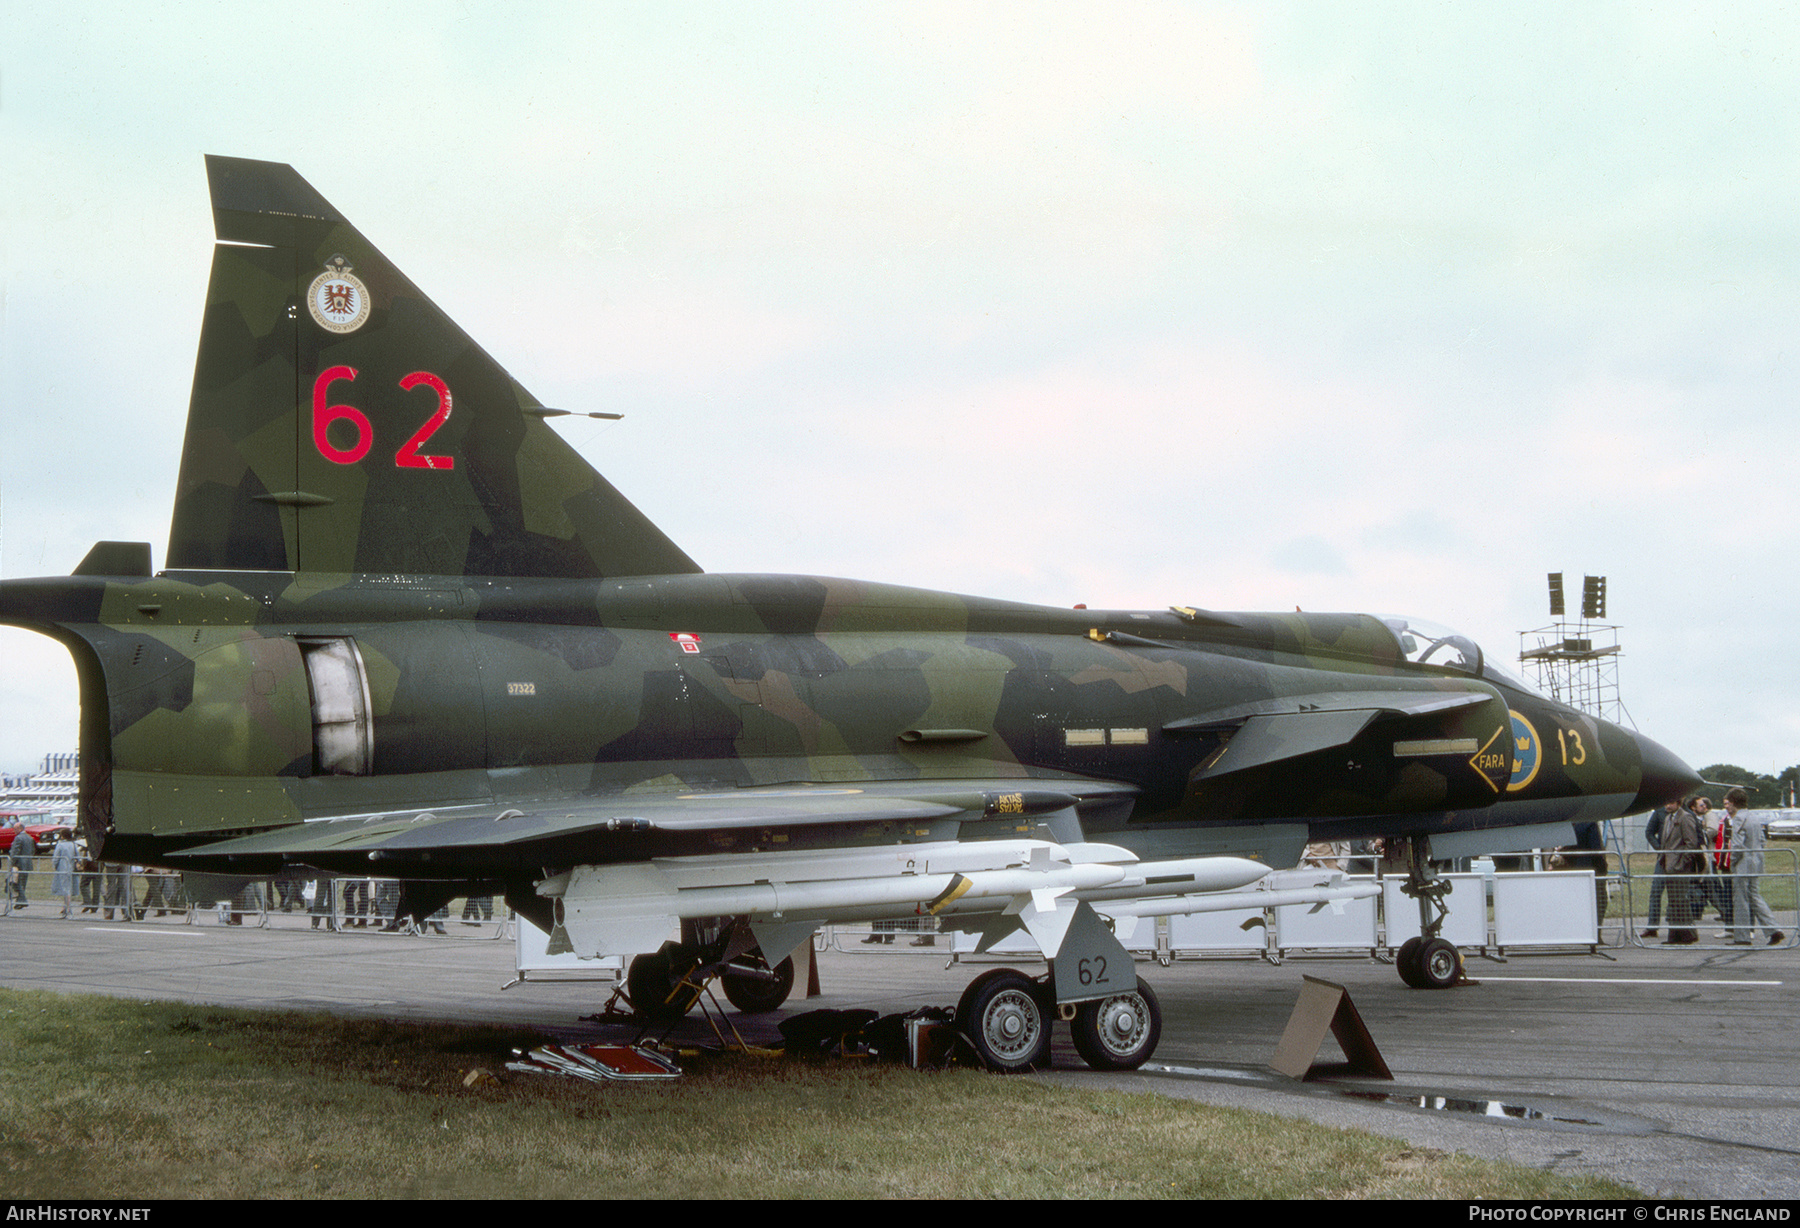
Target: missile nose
{"points": [[1666, 778]]}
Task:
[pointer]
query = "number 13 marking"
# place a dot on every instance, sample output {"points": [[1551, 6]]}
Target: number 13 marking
{"points": [[409, 456]]}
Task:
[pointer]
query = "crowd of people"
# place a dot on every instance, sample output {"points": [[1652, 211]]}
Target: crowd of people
{"points": [[1709, 858], [84, 886]]}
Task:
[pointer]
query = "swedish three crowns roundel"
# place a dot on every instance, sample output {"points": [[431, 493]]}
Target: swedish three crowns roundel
{"points": [[1528, 753]]}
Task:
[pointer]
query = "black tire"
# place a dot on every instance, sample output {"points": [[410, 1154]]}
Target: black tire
{"points": [[1406, 963], [1003, 1017], [1120, 1032], [1440, 964], [754, 994], [655, 990]]}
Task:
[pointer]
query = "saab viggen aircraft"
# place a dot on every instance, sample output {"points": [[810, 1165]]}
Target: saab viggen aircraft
{"points": [[405, 630]]}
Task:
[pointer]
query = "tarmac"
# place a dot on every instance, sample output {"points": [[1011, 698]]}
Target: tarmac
{"points": [[1670, 1068]]}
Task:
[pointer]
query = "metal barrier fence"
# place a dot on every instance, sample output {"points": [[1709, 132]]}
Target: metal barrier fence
{"points": [[335, 904], [1656, 903], [140, 895], [106, 892], [906, 931], [1494, 912]]}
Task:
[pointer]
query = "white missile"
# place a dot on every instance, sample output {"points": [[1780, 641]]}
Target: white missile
{"points": [[1229, 901], [1186, 876], [602, 907]]}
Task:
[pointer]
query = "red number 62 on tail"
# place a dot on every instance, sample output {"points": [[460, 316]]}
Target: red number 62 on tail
{"points": [[409, 456]]}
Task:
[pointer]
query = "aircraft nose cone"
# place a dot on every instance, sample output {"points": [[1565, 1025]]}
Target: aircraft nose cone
{"points": [[1666, 777]]}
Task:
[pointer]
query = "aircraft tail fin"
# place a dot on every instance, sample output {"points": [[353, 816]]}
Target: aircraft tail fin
{"points": [[341, 422]]}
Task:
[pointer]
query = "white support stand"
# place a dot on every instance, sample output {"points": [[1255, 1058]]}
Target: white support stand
{"points": [[1465, 925], [1347, 925], [1553, 908]]}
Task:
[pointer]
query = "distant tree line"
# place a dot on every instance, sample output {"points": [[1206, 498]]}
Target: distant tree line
{"points": [[1766, 792]]}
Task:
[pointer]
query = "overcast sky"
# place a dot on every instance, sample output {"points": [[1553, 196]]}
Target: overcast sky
{"points": [[1379, 307]]}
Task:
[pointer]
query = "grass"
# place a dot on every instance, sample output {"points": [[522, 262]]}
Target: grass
{"points": [[106, 1098]]}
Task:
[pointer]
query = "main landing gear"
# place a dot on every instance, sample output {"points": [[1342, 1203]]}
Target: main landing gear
{"points": [[1428, 961], [754, 987], [664, 985], [1120, 1032], [1007, 1017]]}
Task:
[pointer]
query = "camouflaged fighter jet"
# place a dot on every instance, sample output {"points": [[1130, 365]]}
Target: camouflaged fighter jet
{"points": [[405, 630]]}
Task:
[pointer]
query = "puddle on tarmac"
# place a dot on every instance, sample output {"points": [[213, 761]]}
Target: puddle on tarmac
{"points": [[1475, 1107], [1480, 1108]]}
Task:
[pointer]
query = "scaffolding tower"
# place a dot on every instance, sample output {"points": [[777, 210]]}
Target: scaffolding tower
{"points": [[1577, 662]]}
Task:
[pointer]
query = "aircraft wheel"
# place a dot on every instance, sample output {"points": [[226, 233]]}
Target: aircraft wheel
{"points": [[755, 994], [1440, 964], [1406, 963], [1002, 1017], [1120, 1032], [655, 990]]}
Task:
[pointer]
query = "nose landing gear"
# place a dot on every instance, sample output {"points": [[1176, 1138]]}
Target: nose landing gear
{"points": [[1428, 961]]}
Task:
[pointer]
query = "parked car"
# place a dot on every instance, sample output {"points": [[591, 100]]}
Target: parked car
{"points": [[1783, 824], [42, 834]]}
